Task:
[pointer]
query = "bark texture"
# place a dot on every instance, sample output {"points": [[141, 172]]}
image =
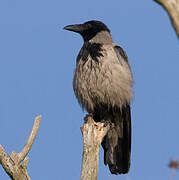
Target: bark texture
{"points": [[12, 164], [172, 8], [93, 134]]}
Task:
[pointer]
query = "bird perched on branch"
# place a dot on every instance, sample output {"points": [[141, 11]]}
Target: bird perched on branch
{"points": [[103, 86]]}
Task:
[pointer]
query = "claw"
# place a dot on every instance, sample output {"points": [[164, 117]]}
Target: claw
{"points": [[106, 122], [87, 116]]}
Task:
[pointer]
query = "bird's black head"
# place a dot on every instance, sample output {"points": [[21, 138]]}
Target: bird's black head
{"points": [[89, 29]]}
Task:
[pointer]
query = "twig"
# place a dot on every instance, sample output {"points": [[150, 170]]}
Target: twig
{"points": [[172, 8], [172, 174], [174, 165], [93, 134], [31, 139], [11, 164]]}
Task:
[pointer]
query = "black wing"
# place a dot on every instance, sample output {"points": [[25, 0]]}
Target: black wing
{"points": [[121, 54]]}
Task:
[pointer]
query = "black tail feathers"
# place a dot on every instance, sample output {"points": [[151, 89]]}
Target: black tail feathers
{"points": [[117, 143]]}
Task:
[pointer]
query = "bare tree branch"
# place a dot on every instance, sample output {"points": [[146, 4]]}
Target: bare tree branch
{"points": [[11, 164], [174, 165], [30, 140], [93, 134], [15, 172], [172, 7]]}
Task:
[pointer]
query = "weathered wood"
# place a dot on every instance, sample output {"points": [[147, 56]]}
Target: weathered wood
{"points": [[93, 134], [30, 140], [14, 170], [11, 164], [172, 7]]}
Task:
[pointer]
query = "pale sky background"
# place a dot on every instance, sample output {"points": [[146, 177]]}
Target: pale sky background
{"points": [[37, 61]]}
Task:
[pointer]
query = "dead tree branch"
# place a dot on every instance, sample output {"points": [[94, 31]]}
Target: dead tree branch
{"points": [[172, 8], [93, 134], [11, 164], [30, 140]]}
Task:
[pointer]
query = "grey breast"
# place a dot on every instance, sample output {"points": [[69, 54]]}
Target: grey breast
{"points": [[102, 78]]}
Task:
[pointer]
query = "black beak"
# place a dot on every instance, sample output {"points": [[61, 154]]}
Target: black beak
{"points": [[75, 28]]}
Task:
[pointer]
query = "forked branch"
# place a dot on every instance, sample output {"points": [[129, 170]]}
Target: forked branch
{"points": [[12, 164]]}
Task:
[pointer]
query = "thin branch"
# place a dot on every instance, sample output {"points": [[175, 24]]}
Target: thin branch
{"points": [[30, 140], [11, 164], [5, 161], [93, 134], [172, 8], [174, 165], [172, 174]]}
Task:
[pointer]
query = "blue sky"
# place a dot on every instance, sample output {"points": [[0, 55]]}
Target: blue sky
{"points": [[37, 62]]}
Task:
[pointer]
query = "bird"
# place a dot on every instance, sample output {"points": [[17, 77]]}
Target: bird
{"points": [[103, 85]]}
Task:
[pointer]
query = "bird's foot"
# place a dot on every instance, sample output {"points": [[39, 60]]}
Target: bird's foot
{"points": [[106, 122], [88, 116]]}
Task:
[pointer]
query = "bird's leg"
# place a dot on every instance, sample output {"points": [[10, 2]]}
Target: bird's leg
{"points": [[87, 116], [106, 122]]}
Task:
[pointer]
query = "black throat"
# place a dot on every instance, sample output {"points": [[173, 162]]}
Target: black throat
{"points": [[94, 50]]}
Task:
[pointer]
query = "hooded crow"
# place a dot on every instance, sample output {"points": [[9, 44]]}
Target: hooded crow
{"points": [[103, 86]]}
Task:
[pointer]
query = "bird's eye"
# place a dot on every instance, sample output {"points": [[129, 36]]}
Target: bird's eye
{"points": [[88, 26]]}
